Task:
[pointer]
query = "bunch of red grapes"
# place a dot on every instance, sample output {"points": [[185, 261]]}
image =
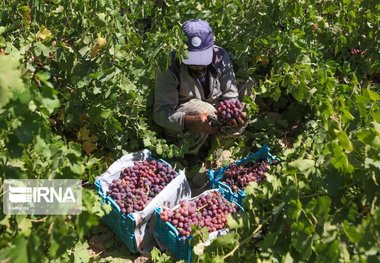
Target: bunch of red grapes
{"points": [[238, 177], [228, 110], [357, 52], [209, 210], [139, 184]]}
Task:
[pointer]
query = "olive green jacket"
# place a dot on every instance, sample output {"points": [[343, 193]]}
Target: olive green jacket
{"points": [[177, 86]]}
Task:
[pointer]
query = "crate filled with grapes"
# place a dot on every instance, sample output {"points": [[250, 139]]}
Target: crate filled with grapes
{"points": [[235, 177], [173, 226], [134, 186]]}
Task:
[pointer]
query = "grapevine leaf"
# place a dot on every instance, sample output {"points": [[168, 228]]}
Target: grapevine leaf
{"points": [[24, 225], [10, 79], [2, 29], [278, 208], [18, 253], [226, 241], [320, 208], [155, 254], [345, 142], [301, 241], [376, 125], [49, 99], [340, 160], [147, 142], [43, 33], [302, 164], [373, 95], [233, 223], [288, 258], [89, 147], [294, 209], [376, 116], [83, 134], [351, 232], [198, 249], [81, 253]]}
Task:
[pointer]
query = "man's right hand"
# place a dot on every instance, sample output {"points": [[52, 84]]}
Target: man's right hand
{"points": [[199, 123]]}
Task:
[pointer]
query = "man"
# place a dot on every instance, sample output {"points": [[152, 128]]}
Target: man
{"points": [[187, 93]]}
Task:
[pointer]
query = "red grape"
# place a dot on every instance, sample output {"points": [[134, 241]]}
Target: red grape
{"points": [[228, 110], [238, 177], [139, 184], [202, 212]]}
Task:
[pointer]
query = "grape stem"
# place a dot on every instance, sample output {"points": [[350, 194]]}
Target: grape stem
{"points": [[200, 208], [246, 240]]}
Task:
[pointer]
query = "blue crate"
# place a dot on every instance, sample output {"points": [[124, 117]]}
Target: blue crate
{"points": [[216, 176], [168, 235], [122, 225]]}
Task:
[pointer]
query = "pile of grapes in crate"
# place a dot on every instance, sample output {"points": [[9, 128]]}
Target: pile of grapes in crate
{"points": [[139, 184], [209, 210], [229, 110], [239, 176]]}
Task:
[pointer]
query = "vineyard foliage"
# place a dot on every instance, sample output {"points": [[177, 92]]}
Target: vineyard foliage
{"points": [[76, 82]]}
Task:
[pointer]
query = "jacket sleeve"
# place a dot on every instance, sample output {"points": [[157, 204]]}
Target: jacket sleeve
{"points": [[166, 102], [227, 79]]}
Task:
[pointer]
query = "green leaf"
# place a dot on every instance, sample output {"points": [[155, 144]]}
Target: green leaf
{"points": [[344, 141], [278, 208], [340, 160], [27, 130], [294, 209], [49, 99], [199, 248], [302, 164], [24, 225], [376, 116], [204, 233], [225, 241], [147, 142], [81, 252], [298, 92], [44, 78], [41, 49], [159, 149], [2, 29], [376, 125], [288, 258], [373, 95], [106, 113], [351, 232], [320, 208], [301, 241], [10, 79], [18, 253]]}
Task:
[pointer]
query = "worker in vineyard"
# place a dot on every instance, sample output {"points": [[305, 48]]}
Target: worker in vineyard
{"points": [[187, 93]]}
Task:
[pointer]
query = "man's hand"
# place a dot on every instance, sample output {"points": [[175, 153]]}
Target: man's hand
{"points": [[199, 123]]}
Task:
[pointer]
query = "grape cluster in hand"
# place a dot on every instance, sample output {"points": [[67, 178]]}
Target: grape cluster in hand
{"points": [[238, 177], [209, 210], [139, 184], [228, 110]]}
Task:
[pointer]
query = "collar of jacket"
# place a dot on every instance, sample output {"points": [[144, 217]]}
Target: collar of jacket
{"points": [[212, 69]]}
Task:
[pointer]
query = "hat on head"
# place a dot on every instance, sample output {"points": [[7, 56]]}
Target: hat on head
{"points": [[200, 40]]}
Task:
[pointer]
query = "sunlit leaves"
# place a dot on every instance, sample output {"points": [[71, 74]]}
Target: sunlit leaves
{"points": [[11, 84]]}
